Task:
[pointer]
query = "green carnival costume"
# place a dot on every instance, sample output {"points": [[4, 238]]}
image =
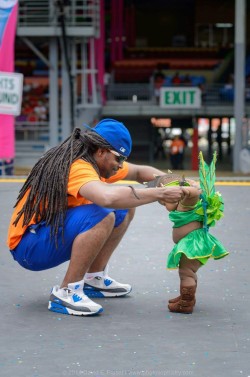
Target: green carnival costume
{"points": [[200, 244]]}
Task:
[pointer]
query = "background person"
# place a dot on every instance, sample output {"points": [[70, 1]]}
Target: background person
{"points": [[176, 152]]}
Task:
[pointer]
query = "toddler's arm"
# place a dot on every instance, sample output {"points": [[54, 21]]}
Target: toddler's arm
{"points": [[192, 194]]}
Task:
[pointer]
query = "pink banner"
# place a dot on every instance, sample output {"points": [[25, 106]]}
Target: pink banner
{"points": [[8, 19]]}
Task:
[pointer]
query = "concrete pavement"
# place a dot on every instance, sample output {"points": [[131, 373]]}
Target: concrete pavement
{"points": [[136, 335]]}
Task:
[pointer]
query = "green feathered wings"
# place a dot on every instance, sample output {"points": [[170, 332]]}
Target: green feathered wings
{"points": [[212, 203]]}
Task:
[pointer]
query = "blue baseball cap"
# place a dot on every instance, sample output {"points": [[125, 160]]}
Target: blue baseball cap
{"points": [[116, 134]]}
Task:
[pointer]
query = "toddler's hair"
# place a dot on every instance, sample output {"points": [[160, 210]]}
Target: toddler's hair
{"points": [[165, 179]]}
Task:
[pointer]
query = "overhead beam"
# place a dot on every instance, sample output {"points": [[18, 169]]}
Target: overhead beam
{"points": [[36, 51]]}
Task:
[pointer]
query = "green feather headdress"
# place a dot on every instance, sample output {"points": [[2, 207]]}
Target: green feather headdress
{"points": [[212, 203]]}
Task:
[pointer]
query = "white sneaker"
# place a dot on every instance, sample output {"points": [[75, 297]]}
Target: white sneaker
{"points": [[105, 286], [72, 300]]}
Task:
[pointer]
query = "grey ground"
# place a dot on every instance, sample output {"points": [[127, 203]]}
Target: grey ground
{"points": [[136, 335]]}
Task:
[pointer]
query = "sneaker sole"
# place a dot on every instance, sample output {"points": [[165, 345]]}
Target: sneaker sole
{"points": [[94, 293], [57, 308]]}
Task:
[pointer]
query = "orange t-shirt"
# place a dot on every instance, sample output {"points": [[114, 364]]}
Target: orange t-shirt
{"points": [[81, 172]]}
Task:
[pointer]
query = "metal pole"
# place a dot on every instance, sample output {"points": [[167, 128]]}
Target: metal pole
{"points": [[65, 102], [194, 157], [239, 79], [93, 71], [53, 93]]}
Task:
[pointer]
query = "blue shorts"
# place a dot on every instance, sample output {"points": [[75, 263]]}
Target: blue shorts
{"points": [[37, 249]]}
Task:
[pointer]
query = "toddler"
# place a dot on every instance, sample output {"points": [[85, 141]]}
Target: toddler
{"points": [[192, 217]]}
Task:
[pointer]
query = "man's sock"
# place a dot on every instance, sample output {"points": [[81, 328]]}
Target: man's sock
{"points": [[91, 275]]}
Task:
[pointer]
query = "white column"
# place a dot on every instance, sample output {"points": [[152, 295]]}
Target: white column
{"points": [[53, 93], [239, 78], [65, 102]]}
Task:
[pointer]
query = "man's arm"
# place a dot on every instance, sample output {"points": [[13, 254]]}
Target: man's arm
{"points": [[116, 196], [142, 173]]}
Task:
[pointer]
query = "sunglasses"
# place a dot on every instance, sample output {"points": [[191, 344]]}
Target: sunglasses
{"points": [[119, 158]]}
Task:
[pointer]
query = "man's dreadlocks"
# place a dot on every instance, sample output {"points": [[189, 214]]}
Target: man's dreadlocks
{"points": [[48, 180]]}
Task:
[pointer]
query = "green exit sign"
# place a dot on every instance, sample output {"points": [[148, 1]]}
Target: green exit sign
{"points": [[180, 98]]}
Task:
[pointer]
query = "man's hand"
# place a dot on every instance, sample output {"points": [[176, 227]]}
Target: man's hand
{"points": [[171, 194]]}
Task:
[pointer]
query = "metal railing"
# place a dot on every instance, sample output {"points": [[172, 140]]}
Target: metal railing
{"points": [[27, 131], [31, 142], [212, 94], [131, 92], [48, 12]]}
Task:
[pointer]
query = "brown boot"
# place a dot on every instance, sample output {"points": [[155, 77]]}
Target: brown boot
{"points": [[186, 302], [176, 299]]}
